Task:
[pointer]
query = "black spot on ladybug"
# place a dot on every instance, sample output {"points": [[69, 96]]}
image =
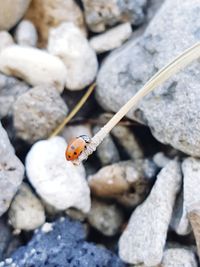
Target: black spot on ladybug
{"points": [[75, 153], [85, 147], [69, 156]]}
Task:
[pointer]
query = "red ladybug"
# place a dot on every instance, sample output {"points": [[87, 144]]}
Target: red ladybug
{"points": [[76, 147]]}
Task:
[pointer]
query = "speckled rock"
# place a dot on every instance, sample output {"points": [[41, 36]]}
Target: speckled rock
{"points": [[51, 13], [10, 90], [69, 44], [107, 151], [144, 238], [172, 110], [5, 40], [111, 39], [38, 112], [128, 141], [102, 14], [32, 65], [11, 172], [11, 12], [63, 245], [56, 180], [26, 211], [70, 132], [128, 182], [106, 218], [26, 33]]}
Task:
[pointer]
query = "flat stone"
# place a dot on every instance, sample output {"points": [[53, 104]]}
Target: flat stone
{"points": [[111, 39], [144, 238], [172, 110], [57, 181], [11, 12], [26, 211], [49, 14], [38, 112], [11, 172], [102, 14], [26, 34], [32, 65], [69, 44]]}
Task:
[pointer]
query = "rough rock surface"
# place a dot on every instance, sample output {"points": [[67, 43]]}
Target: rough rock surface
{"points": [[26, 33], [101, 14], [111, 39], [10, 89], [107, 218], [172, 110], [11, 12], [33, 66], [11, 172], [51, 13], [38, 112], [69, 44], [57, 181], [62, 244], [5, 39], [26, 211], [144, 238]]}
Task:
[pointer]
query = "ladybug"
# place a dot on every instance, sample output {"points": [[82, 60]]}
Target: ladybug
{"points": [[76, 147]]}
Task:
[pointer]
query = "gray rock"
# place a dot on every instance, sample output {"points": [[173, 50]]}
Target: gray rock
{"points": [[160, 159], [11, 172], [10, 89], [38, 112], [101, 14], [26, 33], [107, 151], [144, 239], [5, 237], [26, 211], [172, 110], [107, 218]]}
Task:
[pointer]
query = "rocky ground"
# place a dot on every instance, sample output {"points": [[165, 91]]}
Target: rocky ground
{"points": [[135, 202]]}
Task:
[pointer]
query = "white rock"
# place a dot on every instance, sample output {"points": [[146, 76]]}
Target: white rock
{"points": [[144, 238], [69, 43], [33, 65], [26, 211], [26, 33], [5, 40], [111, 39], [11, 12], [56, 180]]}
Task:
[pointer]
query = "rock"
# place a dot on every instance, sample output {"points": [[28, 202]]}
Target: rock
{"points": [[5, 237], [11, 172], [172, 110], [11, 12], [102, 14], [38, 112], [69, 44], [107, 151], [70, 132], [179, 257], [144, 238], [51, 13], [64, 245], [191, 178], [26, 33], [56, 180], [10, 90], [106, 218], [161, 159], [111, 39], [128, 182], [26, 211], [32, 65], [5, 40], [128, 141]]}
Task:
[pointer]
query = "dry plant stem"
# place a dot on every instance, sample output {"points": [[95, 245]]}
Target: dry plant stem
{"points": [[74, 111], [161, 76]]}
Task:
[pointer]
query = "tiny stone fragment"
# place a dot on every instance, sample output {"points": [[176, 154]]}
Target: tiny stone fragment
{"points": [[26, 34]]}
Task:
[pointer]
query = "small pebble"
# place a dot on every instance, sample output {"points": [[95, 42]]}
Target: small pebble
{"points": [[69, 44], [34, 66], [5, 40], [26, 34]]}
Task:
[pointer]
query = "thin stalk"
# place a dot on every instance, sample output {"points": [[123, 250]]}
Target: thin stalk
{"points": [[161, 76], [74, 111]]}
